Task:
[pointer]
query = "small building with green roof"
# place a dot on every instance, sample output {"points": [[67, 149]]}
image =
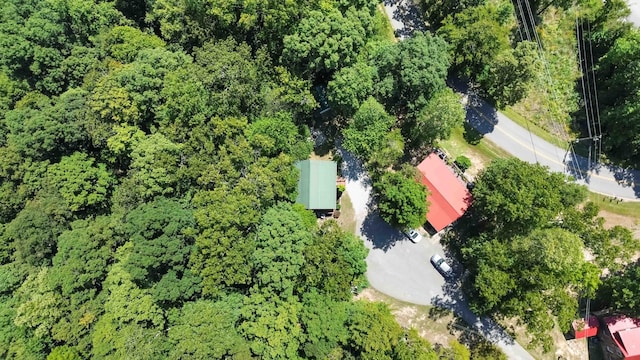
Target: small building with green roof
{"points": [[317, 184]]}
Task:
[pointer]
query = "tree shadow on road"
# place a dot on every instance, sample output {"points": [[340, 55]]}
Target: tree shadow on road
{"points": [[454, 300], [409, 15], [352, 167], [481, 115], [577, 167], [379, 233], [581, 168], [627, 178]]}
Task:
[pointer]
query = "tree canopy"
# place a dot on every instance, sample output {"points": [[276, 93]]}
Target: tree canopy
{"points": [[147, 176], [402, 200]]}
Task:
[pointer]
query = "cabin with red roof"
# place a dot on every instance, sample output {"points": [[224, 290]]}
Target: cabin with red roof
{"points": [[621, 338], [448, 197]]}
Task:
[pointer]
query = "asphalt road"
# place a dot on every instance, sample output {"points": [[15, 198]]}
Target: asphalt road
{"points": [[603, 179], [495, 126], [401, 269], [634, 5]]}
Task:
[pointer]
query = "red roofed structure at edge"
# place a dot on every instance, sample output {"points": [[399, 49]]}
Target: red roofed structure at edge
{"points": [[449, 198], [621, 338]]}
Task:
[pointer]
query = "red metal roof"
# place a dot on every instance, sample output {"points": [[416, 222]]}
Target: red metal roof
{"points": [[626, 334], [448, 198], [585, 328]]}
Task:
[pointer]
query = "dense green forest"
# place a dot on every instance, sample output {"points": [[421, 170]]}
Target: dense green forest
{"points": [[147, 178]]}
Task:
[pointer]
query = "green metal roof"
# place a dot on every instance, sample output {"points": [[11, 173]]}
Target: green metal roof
{"points": [[317, 184]]}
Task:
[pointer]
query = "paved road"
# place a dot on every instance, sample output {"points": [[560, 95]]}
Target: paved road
{"points": [[495, 126], [401, 269], [634, 5]]}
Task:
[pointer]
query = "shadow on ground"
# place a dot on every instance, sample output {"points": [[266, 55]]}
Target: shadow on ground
{"points": [[409, 15], [627, 178], [581, 168], [480, 115], [454, 300], [352, 169], [379, 233]]}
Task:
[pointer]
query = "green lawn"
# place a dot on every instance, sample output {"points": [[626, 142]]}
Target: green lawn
{"points": [[468, 142], [629, 209], [347, 219]]}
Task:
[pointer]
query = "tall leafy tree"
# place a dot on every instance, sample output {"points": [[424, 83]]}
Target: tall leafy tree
{"points": [[279, 255], [477, 35], [326, 41], [205, 329], [161, 233], [278, 134], [510, 277], [41, 307], [350, 87], [613, 248], [415, 347], [334, 262], [131, 93], [123, 43], [38, 36], [508, 78], [324, 322], [402, 200], [132, 323], [620, 290], [272, 325], [435, 121], [620, 116], [81, 183], [225, 242], [374, 333], [515, 196], [436, 11], [83, 255], [33, 233], [411, 72], [155, 167], [366, 131], [232, 76], [44, 128], [389, 153]]}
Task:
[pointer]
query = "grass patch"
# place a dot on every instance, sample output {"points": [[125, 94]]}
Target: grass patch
{"points": [[347, 219], [468, 142], [432, 323], [382, 26], [606, 203], [553, 97], [439, 326], [533, 127]]}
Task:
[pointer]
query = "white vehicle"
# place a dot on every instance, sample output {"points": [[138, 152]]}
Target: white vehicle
{"points": [[441, 265], [414, 235]]}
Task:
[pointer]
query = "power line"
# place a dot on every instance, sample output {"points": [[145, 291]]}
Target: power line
{"points": [[595, 91], [552, 91], [526, 29]]}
